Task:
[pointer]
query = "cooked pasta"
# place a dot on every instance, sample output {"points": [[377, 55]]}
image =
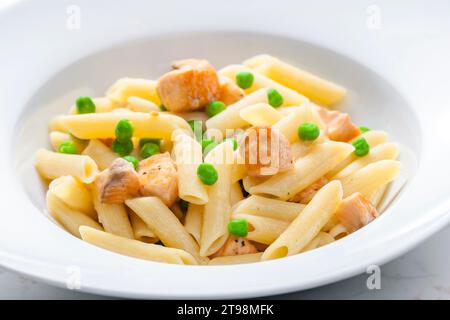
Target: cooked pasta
{"points": [[206, 167]]}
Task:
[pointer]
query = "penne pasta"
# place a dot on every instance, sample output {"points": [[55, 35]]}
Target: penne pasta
{"points": [[58, 137], [141, 231], [370, 178], [74, 194], [103, 125], [269, 208], [100, 153], [322, 158], [290, 97], [69, 218], [239, 259], [260, 114], [262, 229], [236, 193], [373, 138], [230, 117], [217, 211], [288, 125], [307, 224], [165, 225], [113, 217], [188, 156], [320, 240], [193, 221], [312, 86], [52, 165], [102, 104], [124, 88], [134, 248], [384, 151], [137, 104]]}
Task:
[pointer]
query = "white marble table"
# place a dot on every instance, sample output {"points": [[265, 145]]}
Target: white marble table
{"points": [[423, 273]]}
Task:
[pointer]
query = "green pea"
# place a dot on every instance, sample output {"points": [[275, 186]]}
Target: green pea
{"points": [[208, 145], [214, 108], [183, 204], [364, 129], [122, 148], [85, 105], [308, 131], [235, 144], [124, 130], [144, 141], [244, 79], [149, 149], [274, 97], [197, 128], [207, 173], [238, 227], [162, 108], [132, 160], [362, 148], [67, 147]]}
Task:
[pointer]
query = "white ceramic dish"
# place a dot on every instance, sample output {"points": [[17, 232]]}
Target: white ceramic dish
{"points": [[45, 65]]}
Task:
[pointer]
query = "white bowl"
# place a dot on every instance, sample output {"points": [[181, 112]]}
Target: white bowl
{"points": [[46, 63]]}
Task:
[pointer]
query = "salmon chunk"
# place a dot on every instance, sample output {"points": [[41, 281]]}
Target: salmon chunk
{"points": [[339, 125], [305, 196], [265, 151], [190, 86], [355, 212], [118, 183], [158, 177], [229, 91], [235, 246]]}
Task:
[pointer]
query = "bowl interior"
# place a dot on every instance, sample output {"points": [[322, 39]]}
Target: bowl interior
{"points": [[371, 100]]}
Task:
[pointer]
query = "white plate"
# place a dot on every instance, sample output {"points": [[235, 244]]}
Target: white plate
{"points": [[395, 74]]}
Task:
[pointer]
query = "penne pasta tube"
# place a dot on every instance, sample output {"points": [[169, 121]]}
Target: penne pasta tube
{"points": [[188, 156], [257, 61], [384, 151], [315, 88], [288, 125], [373, 138], [137, 104], [378, 196], [238, 259], [307, 224], [320, 240], [113, 217], [269, 208], [74, 194], [216, 212], [58, 137], [262, 229], [290, 97], [52, 165], [69, 218], [193, 221], [167, 227], [248, 182], [135, 248], [103, 125], [124, 88], [370, 178], [56, 124], [102, 104], [230, 117], [100, 153], [260, 114], [338, 231], [236, 193], [141, 231], [322, 158]]}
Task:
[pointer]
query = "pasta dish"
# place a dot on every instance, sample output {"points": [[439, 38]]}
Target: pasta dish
{"points": [[203, 167]]}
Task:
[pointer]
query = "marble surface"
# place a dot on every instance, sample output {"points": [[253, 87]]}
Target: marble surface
{"points": [[423, 273]]}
